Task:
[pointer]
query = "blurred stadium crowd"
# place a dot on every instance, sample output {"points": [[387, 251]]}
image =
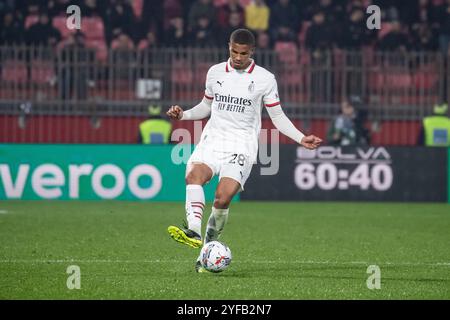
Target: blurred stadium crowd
{"points": [[130, 53], [408, 25]]}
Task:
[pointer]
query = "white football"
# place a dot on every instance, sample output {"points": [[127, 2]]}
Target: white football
{"points": [[215, 256]]}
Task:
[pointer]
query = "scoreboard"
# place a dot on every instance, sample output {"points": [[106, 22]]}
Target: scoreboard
{"points": [[352, 174]]}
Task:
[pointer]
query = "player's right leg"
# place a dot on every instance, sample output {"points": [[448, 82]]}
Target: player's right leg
{"points": [[197, 175]]}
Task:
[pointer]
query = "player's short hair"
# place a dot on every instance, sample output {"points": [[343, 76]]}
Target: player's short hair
{"points": [[243, 36]]}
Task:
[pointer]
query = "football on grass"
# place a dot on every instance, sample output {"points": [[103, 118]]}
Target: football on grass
{"points": [[215, 256]]}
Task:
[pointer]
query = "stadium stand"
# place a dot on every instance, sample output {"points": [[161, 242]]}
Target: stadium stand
{"points": [[398, 84]]}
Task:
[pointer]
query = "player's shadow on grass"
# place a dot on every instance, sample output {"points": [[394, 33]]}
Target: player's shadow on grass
{"points": [[315, 271], [284, 272]]}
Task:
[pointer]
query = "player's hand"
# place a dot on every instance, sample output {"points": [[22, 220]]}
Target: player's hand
{"points": [[175, 112], [310, 142]]}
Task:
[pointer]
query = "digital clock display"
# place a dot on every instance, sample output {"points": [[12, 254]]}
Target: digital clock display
{"points": [[329, 168]]}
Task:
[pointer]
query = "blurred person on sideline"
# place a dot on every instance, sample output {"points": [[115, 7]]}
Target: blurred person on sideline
{"points": [[348, 127], [74, 73], [435, 130], [155, 129]]}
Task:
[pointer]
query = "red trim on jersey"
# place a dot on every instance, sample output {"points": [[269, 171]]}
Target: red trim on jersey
{"points": [[252, 67], [208, 97], [248, 70], [273, 104]]}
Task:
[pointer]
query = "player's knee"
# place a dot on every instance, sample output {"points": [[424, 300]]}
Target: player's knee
{"points": [[194, 178], [221, 201]]}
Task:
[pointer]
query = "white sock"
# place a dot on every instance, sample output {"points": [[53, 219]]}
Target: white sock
{"points": [[195, 203], [216, 223]]}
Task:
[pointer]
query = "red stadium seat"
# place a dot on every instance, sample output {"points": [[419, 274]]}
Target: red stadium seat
{"points": [[287, 51], [425, 80], [116, 43], [181, 72], [386, 27], [418, 99], [42, 71], [201, 70], [14, 71], [339, 57], [138, 6], [100, 48], [305, 58], [94, 26], [59, 23], [302, 33], [368, 54], [388, 82], [291, 76], [376, 80], [245, 3], [399, 80], [142, 45], [30, 20], [123, 91]]}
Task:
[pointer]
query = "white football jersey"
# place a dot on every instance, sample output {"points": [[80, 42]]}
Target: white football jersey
{"points": [[238, 97]]}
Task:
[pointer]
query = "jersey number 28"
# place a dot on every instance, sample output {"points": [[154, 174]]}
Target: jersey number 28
{"points": [[240, 159]]}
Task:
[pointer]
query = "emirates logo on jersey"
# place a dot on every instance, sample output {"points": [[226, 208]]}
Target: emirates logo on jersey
{"points": [[233, 100], [232, 104]]}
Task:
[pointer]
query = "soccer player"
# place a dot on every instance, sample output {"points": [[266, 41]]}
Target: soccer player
{"points": [[235, 93]]}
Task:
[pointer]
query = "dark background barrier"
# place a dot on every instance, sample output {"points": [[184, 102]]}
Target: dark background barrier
{"points": [[353, 174]]}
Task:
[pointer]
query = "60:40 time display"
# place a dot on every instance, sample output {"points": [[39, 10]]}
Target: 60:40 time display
{"points": [[327, 176]]}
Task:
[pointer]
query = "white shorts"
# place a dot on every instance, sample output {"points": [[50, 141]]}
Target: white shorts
{"points": [[234, 165]]}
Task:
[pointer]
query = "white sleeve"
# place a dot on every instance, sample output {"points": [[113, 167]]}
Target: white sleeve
{"points": [[200, 111], [209, 94], [203, 109], [271, 97], [283, 124]]}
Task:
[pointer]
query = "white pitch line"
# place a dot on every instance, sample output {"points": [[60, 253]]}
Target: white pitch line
{"points": [[3, 211], [308, 262], [85, 261]]}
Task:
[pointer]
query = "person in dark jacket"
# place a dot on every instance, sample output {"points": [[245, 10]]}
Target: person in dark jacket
{"points": [[43, 33]]}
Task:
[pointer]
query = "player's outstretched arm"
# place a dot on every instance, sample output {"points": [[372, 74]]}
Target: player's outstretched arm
{"points": [[200, 111], [286, 127]]}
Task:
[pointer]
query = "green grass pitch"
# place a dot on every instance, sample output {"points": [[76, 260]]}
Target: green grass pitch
{"points": [[290, 250]]}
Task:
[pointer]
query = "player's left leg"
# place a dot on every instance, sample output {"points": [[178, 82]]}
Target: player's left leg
{"points": [[234, 172], [225, 191]]}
